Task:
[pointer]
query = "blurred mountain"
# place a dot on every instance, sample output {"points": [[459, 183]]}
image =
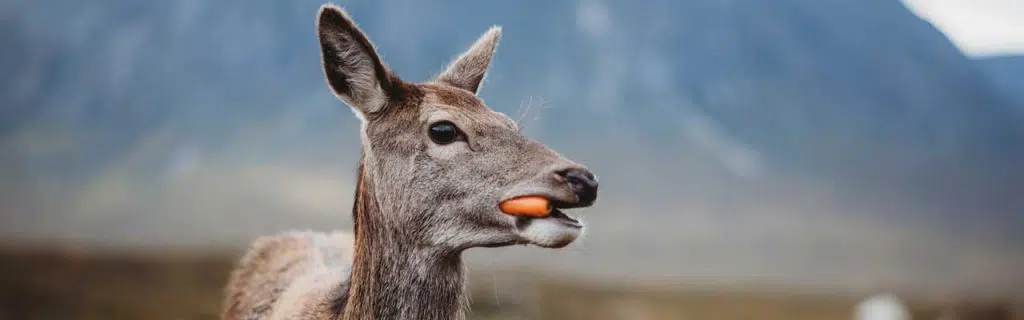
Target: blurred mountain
{"points": [[744, 124], [1007, 73]]}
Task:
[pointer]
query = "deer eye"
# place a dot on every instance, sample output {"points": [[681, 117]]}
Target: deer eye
{"points": [[445, 132]]}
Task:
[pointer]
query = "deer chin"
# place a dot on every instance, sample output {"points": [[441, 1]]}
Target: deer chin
{"points": [[557, 230]]}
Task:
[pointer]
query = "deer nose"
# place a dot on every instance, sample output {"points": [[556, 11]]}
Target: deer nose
{"points": [[583, 184]]}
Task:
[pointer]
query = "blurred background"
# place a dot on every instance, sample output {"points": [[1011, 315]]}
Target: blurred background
{"points": [[759, 159]]}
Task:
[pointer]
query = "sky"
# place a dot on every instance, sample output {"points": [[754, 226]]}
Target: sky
{"points": [[977, 27]]}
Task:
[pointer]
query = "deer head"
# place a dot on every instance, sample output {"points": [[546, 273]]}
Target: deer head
{"points": [[436, 160]]}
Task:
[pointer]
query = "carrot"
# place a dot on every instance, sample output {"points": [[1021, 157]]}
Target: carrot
{"points": [[528, 206]]}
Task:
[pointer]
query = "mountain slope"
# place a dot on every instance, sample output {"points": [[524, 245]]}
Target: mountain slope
{"points": [[1007, 74]]}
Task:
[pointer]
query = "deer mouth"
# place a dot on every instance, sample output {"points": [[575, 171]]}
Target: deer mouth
{"points": [[555, 229], [554, 212], [558, 215]]}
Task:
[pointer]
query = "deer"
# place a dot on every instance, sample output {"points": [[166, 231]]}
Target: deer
{"points": [[435, 164]]}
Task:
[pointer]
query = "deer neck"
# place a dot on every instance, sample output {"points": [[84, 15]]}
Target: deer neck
{"points": [[395, 278]]}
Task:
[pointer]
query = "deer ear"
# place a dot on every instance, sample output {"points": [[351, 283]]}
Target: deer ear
{"points": [[468, 70], [354, 71]]}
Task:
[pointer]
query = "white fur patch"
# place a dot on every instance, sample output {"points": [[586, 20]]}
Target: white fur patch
{"points": [[549, 233]]}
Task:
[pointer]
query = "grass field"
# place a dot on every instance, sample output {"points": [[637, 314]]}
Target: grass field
{"points": [[67, 284]]}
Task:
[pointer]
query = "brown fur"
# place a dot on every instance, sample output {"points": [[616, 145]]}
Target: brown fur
{"points": [[275, 265]]}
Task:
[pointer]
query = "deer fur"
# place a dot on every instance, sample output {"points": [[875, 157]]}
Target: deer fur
{"points": [[418, 204]]}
